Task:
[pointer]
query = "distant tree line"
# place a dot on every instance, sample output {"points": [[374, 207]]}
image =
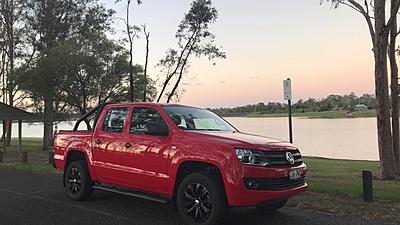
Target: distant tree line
{"points": [[346, 103]]}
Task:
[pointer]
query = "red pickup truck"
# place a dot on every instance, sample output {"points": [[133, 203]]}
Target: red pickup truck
{"points": [[182, 155]]}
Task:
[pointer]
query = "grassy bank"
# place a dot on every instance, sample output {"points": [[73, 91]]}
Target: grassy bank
{"points": [[321, 115], [33, 167], [28, 144], [336, 186], [343, 178]]}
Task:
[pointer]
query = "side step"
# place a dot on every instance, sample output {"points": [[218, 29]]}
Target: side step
{"points": [[137, 194]]}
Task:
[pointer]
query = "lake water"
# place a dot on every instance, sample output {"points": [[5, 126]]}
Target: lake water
{"points": [[332, 138]]}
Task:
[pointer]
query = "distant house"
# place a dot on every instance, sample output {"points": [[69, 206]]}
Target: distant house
{"points": [[360, 107]]}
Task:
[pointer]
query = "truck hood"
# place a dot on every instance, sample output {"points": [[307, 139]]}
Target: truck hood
{"points": [[245, 140]]}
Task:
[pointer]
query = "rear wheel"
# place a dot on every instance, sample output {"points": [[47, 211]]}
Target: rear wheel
{"points": [[78, 183], [201, 199], [273, 206]]}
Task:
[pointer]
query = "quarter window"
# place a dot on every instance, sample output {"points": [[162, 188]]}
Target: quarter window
{"points": [[115, 118]]}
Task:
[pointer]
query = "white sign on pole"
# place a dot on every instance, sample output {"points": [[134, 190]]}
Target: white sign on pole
{"points": [[287, 89]]}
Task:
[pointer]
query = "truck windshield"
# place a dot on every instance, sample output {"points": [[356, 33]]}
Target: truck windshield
{"points": [[188, 118]]}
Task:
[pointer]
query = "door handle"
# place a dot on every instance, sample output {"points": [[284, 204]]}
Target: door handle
{"points": [[98, 142], [128, 145]]}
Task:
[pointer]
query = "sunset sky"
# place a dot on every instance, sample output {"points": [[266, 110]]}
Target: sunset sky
{"points": [[325, 51]]}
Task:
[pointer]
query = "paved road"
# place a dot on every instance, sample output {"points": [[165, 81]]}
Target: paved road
{"points": [[38, 199]]}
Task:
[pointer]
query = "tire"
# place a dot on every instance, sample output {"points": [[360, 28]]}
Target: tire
{"points": [[272, 207], [201, 199], [78, 184]]}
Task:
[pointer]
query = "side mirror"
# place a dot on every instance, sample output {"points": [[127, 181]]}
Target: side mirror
{"points": [[156, 128]]}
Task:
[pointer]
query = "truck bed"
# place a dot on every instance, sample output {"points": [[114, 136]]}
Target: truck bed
{"points": [[68, 139]]}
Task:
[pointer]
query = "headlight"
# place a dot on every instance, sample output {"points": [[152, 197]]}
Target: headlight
{"points": [[251, 157]]}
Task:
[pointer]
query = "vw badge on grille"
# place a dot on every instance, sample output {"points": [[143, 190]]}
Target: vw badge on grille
{"points": [[290, 158]]}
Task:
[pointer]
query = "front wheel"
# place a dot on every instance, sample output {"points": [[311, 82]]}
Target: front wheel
{"points": [[78, 183], [200, 199]]}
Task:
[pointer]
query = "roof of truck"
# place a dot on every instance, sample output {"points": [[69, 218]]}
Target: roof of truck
{"points": [[153, 104]]}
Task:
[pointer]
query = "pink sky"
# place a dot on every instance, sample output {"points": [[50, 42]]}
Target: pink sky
{"points": [[324, 51]]}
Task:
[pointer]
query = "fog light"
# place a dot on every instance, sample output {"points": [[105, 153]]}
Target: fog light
{"points": [[251, 184]]}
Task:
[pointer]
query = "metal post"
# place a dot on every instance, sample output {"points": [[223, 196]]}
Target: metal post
{"points": [[287, 93], [19, 135], [367, 186], [24, 157], [1, 156], [290, 121]]}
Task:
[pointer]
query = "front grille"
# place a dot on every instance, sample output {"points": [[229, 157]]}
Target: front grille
{"points": [[273, 184], [278, 158]]}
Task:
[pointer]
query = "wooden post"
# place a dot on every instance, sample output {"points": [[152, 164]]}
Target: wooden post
{"points": [[24, 157], [51, 155], [367, 186], [1, 156], [19, 135]]}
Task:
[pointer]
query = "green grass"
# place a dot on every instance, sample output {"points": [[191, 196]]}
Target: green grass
{"points": [[343, 178], [321, 115], [28, 144], [33, 167], [364, 113]]}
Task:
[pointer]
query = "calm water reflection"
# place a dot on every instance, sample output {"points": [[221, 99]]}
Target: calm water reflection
{"points": [[331, 138]]}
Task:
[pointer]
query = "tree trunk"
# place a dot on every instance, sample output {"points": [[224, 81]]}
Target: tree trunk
{"points": [[385, 143], [130, 39], [180, 75], [394, 93], [47, 125], [145, 64], [9, 122], [9, 22]]}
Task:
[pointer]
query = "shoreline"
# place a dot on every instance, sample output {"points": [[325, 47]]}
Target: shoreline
{"points": [[310, 115]]}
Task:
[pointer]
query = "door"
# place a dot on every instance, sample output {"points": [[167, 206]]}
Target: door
{"points": [[109, 145], [149, 153]]}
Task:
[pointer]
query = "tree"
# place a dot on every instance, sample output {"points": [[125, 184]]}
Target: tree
{"points": [[12, 46], [52, 22], [147, 35], [132, 33], [379, 29], [96, 71], [194, 38], [394, 92]]}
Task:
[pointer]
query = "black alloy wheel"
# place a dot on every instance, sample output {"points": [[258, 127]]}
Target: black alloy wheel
{"points": [[74, 181], [78, 183], [201, 199], [197, 202]]}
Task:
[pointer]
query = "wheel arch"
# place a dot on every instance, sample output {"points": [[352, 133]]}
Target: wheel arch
{"points": [[190, 166], [74, 155]]}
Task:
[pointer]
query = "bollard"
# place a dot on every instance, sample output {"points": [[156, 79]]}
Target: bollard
{"points": [[1, 156], [367, 186], [24, 157], [51, 155]]}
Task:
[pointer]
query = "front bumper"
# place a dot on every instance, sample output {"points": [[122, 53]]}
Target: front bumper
{"points": [[240, 196]]}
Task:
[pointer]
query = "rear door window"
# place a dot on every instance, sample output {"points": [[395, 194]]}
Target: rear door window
{"points": [[115, 119]]}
